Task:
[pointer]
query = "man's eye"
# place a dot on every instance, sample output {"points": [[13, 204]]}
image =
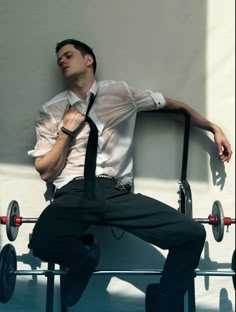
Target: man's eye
{"points": [[68, 56]]}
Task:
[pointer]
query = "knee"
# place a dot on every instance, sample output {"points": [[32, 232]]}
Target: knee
{"points": [[39, 248], [198, 233], [41, 243]]}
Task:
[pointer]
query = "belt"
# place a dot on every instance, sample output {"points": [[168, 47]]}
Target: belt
{"points": [[101, 176], [118, 186]]}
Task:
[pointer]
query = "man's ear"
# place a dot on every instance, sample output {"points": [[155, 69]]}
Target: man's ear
{"points": [[89, 59]]}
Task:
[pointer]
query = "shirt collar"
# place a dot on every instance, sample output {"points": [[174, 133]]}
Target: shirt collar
{"points": [[73, 98]]}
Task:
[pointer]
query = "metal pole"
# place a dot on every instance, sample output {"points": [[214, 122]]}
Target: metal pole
{"points": [[50, 288], [29, 220], [201, 220], [52, 272], [185, 145]]}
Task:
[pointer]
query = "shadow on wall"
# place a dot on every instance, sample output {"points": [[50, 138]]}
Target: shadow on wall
{"points": [[151, 54], [160, 61], [225, 305], [158, 150], [207, 263]]}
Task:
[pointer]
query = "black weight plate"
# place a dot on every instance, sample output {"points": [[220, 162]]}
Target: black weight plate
{"points": [[8, 264], [233, 267], [219, 227], [185, 198], [12, 211]]}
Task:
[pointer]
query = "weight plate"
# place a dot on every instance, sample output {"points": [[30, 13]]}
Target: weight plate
{"points": [[8, 264], [233, 267], [185, 198], [12, 211], [219, 227]]}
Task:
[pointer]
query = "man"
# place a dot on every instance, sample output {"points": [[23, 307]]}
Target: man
{"points": [[63, 128]]}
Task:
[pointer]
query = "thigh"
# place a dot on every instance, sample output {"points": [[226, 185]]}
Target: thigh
{"points": [[59, 219], [149, 219], [70, 214]]}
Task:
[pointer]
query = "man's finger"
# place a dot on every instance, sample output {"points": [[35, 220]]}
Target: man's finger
{"points": [[220, 150], [227, 152]]}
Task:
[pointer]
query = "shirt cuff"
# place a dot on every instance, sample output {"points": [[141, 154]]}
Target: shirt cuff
{"points": [[159, 99], [37, 153]]}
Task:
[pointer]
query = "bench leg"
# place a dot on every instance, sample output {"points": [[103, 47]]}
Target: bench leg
{"points": [[50, 289], [63, 306]]}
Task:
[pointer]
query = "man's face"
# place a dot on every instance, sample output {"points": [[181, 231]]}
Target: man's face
{"points": [[71, 61]]}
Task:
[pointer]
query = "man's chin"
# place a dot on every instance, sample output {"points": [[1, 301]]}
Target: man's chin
{"points": [[70, 76]]}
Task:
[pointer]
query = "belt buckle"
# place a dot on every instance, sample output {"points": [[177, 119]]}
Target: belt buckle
{"points": [[123, 187], [79, 178]]}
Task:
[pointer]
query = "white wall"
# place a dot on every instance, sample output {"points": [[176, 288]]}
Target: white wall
{"points": [[183, 48]]}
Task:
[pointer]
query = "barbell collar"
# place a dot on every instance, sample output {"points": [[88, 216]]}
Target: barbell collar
{"points": [[229, 221], [3, 219]]}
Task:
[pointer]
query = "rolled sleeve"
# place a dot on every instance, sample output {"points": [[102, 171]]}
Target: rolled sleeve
{"points": [[46, 134], [146, 100], [37, 152]]}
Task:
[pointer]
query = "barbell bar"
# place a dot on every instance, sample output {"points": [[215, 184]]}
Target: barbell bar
{"points": [[121, 272], [216, 219], [8, 272]]}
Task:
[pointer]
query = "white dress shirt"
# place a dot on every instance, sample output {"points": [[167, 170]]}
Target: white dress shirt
{"points": [[114, 113]]}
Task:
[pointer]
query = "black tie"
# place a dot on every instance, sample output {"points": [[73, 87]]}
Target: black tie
{"points": [[91, 154]]}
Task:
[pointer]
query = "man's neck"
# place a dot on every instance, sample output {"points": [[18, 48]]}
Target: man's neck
{"points": [[81, 86]]}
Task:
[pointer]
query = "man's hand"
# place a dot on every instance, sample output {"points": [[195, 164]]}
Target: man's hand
{"points": [[73, 119], [223, 145]]}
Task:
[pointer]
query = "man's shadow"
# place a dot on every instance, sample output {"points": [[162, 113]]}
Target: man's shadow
{"points": [[158, 150], [206, 263], [217, 167]]}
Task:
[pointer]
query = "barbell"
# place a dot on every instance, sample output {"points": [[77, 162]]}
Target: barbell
{"points": [[13, 220], [216, 219], [9, 272]]}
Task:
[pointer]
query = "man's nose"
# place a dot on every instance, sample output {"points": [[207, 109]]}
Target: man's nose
{"points": [[62, 62]]}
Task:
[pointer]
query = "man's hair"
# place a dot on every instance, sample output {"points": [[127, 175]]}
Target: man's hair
{"points": [[80, 46]]}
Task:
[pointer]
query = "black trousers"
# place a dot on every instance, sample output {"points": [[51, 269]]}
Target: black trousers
{"points": [[56, 235]]}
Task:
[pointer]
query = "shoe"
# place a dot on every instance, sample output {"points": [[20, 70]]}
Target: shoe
{"points": [[156, 301], [74, 283]]}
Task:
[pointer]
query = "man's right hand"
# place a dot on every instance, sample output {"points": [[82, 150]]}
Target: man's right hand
{"points": [[73, 120], [51, 164]]}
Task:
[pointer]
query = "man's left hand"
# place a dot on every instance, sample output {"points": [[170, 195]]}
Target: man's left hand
{"points": [[223, 145]]}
